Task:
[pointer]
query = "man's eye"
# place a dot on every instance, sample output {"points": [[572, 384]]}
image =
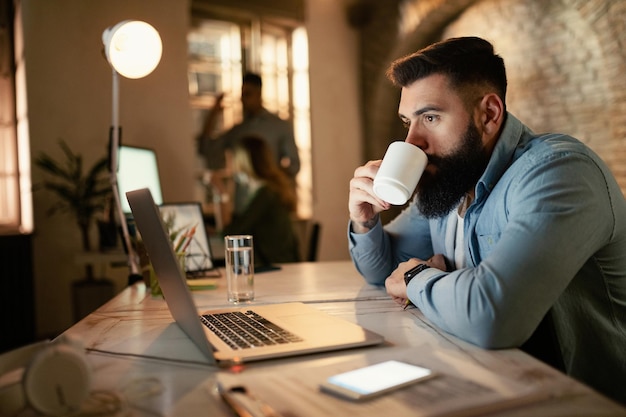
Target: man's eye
{"points": [[430, 118], [406, 124]]}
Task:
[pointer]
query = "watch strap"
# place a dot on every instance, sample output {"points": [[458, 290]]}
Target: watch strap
{"points": [[411, 273]]}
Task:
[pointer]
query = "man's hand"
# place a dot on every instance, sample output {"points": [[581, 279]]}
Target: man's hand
{"points": [[211, 117], [394, 284], [363, 204]]}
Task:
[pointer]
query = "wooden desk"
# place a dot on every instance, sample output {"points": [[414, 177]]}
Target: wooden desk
{"points": [[136, 349]]}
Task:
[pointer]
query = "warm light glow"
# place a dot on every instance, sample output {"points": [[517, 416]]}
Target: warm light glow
{"points": [[133, 48], [302, 120]]}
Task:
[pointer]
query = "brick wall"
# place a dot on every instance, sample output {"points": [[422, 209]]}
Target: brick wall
{"points": [[565, 63]]}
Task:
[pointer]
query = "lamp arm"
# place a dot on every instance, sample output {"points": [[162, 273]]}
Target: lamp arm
{"points": [[114, 144]]}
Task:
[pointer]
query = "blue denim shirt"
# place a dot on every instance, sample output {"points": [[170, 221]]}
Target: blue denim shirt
{"points": [[546, 230]]}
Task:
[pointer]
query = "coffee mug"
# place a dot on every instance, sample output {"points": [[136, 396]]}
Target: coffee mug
{"points": [[399, 173]]}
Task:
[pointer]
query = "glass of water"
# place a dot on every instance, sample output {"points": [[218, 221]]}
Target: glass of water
{"points": [[239, 268]]}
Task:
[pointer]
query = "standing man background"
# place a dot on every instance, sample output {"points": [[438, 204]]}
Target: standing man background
{"points": [[507, 228], [257, 121]]}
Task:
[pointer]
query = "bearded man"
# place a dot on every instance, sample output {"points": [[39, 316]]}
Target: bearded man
{"points": [[509, 232]]}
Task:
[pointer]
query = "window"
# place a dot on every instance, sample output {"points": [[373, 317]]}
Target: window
{"points": [[215, 66], [223, 48], [15, 183]]}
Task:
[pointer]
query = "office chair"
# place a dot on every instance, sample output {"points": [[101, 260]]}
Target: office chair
{"points": [[307, 232], [314, 235]]}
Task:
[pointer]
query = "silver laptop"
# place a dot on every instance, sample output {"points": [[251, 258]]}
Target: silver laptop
{"points": [[292, 328]]}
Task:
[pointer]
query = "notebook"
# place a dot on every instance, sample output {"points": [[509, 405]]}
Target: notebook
{"points": [[186, 217], [304, 328]]}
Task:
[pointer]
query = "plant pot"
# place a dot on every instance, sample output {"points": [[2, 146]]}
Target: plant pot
{"points": [[107, 236], [88, 295]]}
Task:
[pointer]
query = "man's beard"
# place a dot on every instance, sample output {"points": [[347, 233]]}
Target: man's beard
{"points": [[456, 174]]}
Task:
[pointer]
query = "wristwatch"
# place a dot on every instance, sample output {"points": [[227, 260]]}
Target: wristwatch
{"points": [[411, 273]]}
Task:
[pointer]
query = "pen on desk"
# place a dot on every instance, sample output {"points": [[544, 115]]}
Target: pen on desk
{"points": [[189, 238], [245, 404], [407, 304]]}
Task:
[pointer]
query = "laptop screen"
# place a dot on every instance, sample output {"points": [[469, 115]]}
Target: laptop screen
{"points": [[186, 216], [137, 168]]}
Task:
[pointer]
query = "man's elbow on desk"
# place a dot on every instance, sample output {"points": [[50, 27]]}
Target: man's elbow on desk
{"points": [[492, 338], [483, 324], [484, 330], [373, 278]]}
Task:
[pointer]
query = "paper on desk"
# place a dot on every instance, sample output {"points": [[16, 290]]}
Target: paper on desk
{"points": [[465, 390], [198, 284]]}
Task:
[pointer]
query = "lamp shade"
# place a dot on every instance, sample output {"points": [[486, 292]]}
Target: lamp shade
{"points": [[133, 48]]}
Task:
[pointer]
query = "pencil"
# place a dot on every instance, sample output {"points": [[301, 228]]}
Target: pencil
{"points": [[189, 238]]}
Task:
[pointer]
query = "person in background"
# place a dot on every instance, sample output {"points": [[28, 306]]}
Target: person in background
{"points": [[267, 212], [508, 230], [258, 121]]}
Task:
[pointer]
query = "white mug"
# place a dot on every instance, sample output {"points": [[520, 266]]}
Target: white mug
{"points": [[399, 173]]}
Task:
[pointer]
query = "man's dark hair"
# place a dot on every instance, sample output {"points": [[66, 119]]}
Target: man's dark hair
{"points": [[467, 62], [252, 79]]}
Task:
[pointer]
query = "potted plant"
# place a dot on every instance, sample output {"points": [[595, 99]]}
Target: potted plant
{"points": [[82, 194]]}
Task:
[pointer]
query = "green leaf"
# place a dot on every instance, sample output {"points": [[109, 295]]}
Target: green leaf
{"points": [[81, 194]]}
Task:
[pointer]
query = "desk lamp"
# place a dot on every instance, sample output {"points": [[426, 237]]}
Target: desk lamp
{"points": [[133, 49]]}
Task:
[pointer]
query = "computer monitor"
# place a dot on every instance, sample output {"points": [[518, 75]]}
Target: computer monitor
{"points": [[185, 216], [137, 168]]}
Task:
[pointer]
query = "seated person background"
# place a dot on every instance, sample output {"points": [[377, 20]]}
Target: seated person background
{"points": [[508, 228], [266, 211]]}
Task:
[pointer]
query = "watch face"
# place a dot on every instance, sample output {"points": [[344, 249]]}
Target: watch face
{"points": [[408, 275]]}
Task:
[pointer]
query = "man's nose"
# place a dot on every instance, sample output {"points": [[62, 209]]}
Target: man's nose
{"points": [[415, 138]]}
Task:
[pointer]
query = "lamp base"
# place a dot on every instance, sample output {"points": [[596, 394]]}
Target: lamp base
{"points": [[132, 278]]}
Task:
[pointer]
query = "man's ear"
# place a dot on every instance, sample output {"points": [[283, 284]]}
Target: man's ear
{"points": [[492, 114]]}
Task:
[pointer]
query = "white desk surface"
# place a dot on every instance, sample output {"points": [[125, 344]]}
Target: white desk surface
{"points": [[133, 342]]}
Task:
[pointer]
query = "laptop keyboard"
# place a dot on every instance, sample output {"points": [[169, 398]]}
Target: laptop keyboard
{"points": [[241, 330]]}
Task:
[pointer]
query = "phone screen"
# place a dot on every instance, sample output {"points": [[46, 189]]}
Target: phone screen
{"points": [[375, 379]]}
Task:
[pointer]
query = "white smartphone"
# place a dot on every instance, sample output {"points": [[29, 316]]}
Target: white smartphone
{"points": [[373, 380]]}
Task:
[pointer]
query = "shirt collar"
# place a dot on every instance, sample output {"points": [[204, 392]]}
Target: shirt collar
{"points": [[514, 135]]}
